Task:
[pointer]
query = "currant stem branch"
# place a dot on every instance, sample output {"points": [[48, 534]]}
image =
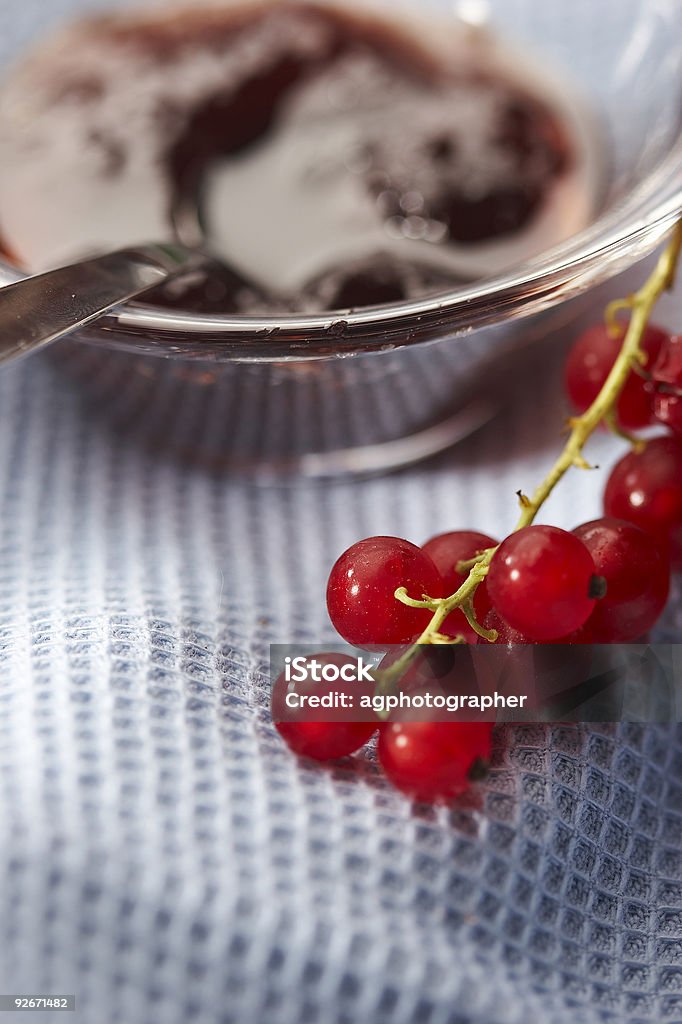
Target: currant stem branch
{"points": [[640, 306]]}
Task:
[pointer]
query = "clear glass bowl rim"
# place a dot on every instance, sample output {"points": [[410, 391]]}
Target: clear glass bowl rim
{"points": [[620, 237]]}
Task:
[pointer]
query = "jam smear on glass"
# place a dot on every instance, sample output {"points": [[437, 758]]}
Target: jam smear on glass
{"points": [[336, 159]]}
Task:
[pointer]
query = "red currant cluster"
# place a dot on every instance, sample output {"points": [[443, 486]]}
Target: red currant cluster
{"points": [[645, 488], [605, 582]]}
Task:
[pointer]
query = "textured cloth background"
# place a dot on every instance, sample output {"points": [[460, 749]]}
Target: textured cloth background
{"points": [[165, 858]]}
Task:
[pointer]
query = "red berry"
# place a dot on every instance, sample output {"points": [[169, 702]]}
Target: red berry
{"points": [[322, 734], [511, 637], [438, 671], [431, 664], [551, 675], [589, 363], [667, 382], [668, 367], [325, 741], [637, 577], [446, 550], [645, 488], [668, 410], [541, 581], [434, 761], [543, 671], [361, 589]]}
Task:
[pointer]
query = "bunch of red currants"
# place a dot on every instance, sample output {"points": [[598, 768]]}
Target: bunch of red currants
{"points": [[605, 582]]}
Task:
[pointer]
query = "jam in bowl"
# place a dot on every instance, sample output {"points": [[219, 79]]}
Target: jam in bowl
{"points": [[374, 183]]}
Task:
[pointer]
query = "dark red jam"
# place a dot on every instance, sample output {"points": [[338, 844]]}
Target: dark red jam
{"points": [[337, 160]]}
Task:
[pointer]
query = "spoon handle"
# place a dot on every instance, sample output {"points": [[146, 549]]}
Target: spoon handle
{"points": [[38, 310]]}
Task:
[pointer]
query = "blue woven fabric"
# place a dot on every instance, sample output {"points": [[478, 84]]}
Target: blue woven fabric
{"points": [[165, 858]]}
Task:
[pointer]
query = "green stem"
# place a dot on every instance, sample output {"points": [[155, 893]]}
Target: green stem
{"points": [[584, 426], [640, 306]]}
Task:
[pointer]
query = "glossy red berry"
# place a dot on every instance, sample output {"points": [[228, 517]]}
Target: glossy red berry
{"points": [[325, 741], [542, 671], [637, 575], [434, 761], [668, 410], [645, 488], [511, 637], [589, 363], [542, 582], [361, 589], [437, 671], [667, 384], [668, 366], [323, 734], [446, 550]]}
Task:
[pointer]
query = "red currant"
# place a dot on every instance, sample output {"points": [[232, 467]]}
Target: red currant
{"points": [[438, 670], [668, 366], [645, 488], [325, 741], [361, 589], [446, 550], [668, 410], [541, 581], [324, 735], [589, 363], [511, 637], [434, 761], [545, 672], [637, 577], [431, 664], [667, 381]]}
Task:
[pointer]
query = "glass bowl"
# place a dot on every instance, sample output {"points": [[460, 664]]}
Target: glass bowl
{"points": [[380, 387]]}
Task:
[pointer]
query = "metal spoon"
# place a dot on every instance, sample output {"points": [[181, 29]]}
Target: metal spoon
{"points": [[36, 311]]}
